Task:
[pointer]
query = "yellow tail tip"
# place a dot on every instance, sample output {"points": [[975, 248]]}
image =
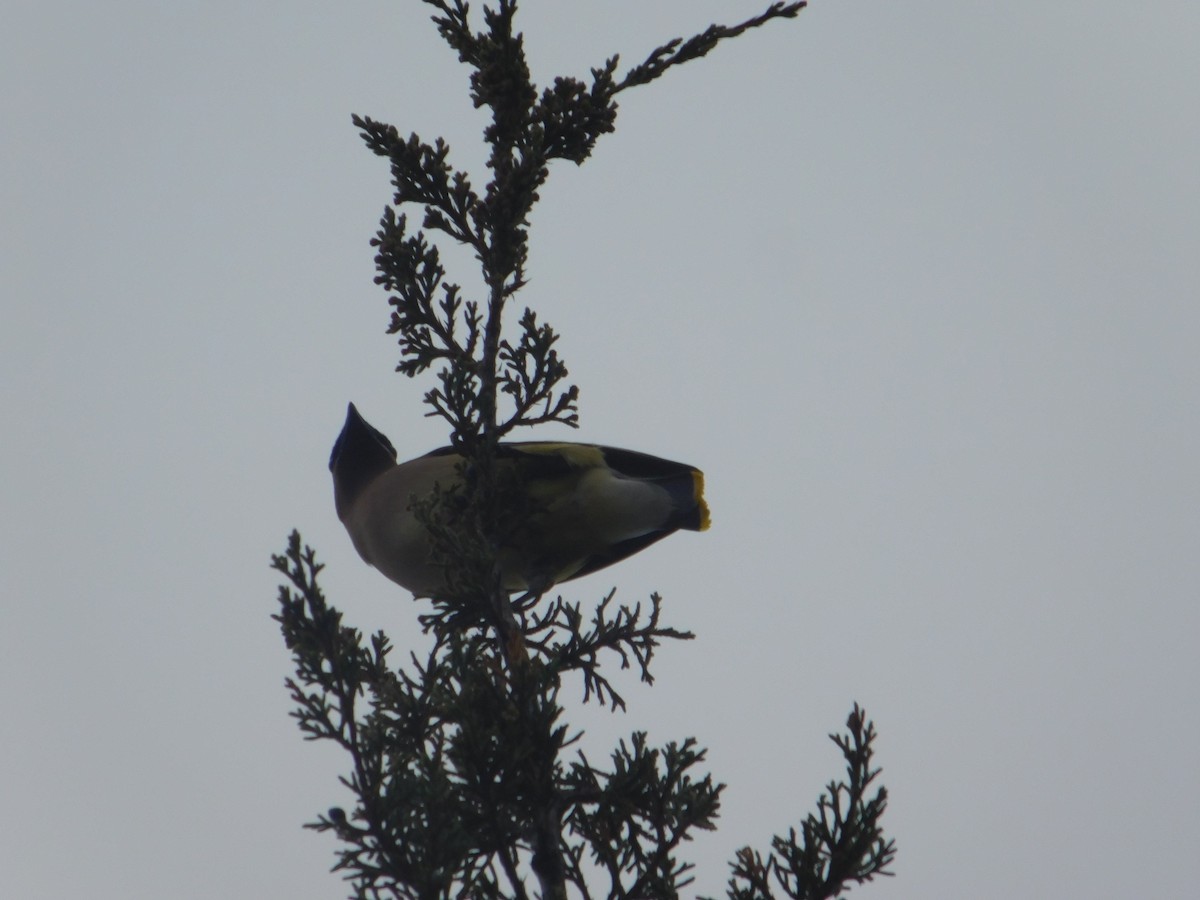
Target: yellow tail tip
{"points": [[701, 505]]}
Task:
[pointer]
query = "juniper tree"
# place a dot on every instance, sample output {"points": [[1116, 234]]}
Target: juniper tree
{"points": [[463, 775]]}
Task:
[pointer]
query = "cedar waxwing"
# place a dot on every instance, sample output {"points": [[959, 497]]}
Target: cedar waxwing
{"points": [[588, 506]]}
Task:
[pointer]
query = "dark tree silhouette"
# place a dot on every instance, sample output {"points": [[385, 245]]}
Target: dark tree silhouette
{"points": [[463, 775]]}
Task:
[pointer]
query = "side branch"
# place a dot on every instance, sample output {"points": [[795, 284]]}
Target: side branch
{"points": [[679, 51], [842, 843], [622, 634]]}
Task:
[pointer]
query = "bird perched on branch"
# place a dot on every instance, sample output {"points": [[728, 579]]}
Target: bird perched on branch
{"points": [[578, 507]]}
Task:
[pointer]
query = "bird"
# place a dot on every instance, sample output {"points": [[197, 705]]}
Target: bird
{"points": [[580, 507]]}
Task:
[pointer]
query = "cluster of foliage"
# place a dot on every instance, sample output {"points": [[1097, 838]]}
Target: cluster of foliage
{"points": [[465, 779]]}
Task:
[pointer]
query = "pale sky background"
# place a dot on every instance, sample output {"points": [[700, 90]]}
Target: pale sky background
{"points": [[916, 284]]}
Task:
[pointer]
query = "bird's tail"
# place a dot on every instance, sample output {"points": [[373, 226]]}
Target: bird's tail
{"points": [[687, 495]]}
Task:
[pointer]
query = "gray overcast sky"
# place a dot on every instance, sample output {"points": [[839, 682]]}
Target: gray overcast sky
{"points": [[915, 283]]}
